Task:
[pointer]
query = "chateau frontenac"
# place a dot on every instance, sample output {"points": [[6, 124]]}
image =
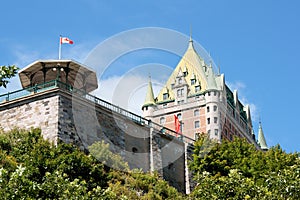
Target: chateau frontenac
{"points": [[202, 103]]}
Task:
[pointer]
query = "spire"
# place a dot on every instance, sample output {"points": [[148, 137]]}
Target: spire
{"points": [[261, 138], [191, 40], [191, 46], [149, 100]]}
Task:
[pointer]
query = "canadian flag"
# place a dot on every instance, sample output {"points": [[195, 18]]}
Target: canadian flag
{"points": [[177, 124], [65, 40]]}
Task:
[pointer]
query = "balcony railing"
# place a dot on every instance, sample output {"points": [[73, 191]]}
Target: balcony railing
{"points": [[66, 87]]}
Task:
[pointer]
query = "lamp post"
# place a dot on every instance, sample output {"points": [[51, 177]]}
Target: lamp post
{"points": [[181, 126]]}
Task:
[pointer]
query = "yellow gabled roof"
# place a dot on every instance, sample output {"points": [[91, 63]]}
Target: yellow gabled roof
{"points": [[193, 64]]}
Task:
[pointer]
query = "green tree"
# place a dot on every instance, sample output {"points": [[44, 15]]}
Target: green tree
{"points": [[33, 168], [237, 170], [7, 72], [100, 150]]}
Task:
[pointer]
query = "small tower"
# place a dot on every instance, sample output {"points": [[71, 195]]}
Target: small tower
{"points": [[68, 72], [261, 138], [149, 104]]}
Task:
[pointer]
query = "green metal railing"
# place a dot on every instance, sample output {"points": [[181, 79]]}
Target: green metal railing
{"points": [[116, 109], [27, 91]]}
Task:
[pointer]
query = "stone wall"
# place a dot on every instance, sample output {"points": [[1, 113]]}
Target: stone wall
{"points": [[76, 120], [35, 111], [82, 122]]}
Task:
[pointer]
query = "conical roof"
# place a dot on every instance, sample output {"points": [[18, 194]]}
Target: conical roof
{"points": [[261, 138], [211, 78], [149, 100]]}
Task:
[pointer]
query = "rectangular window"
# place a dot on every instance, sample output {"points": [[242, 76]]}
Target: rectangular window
{"points": [[180, 102], [196, 112], [215, 120], [216, 132], [215, 108], [207, 109], [193, 81], [197, 88], [208, 120], [162, 120], [165, 96], [180, 92], [197, 124]]}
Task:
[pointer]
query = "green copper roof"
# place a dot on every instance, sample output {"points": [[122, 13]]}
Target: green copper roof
{"points": [[149, 100], [261, 138], [211, 80]]}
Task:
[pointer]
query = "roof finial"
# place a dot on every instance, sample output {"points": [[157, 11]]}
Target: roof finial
{"points": [[219, 68], [259, 120], [191, 40]]}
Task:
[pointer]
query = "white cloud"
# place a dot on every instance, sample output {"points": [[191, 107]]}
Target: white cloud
{"points": [[128, 92]]}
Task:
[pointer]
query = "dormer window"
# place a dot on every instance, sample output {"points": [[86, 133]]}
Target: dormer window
{"points": [[180, 92], [165, 96], [193, 81], [197, 88], [180, 81]]}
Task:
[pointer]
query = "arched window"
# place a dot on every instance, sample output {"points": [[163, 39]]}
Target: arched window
{"points": [[196, 112], [207, 109], [180, 81], [215, 120], [134, 149], [162, 120], [215, 108], [179, 116]]}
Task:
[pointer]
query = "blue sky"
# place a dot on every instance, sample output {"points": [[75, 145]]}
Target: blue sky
{"points": [[256, 43]]}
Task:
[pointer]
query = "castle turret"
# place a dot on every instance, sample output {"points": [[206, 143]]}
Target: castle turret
{"points": [[261, 138], [149, 103], [68, 72]]}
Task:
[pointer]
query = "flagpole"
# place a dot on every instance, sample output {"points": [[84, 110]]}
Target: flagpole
{"points": [[59, 48]]}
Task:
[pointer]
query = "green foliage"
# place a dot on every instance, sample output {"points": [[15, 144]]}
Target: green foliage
{"points": [[139, 185], [101, 152], [236, 170], [7, 72], [233, 186], [33, 168]]}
